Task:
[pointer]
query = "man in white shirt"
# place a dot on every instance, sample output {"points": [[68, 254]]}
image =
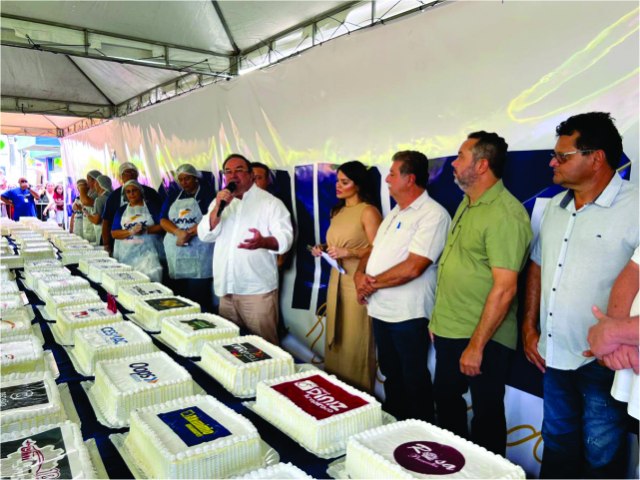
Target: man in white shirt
{"points": [[587, 236], [397, 281], [251, 228]]}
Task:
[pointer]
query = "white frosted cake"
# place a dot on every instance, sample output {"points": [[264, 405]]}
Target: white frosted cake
{"points": [[61, 300], [128, 295], [13, 308], [112, 281], [70, 284], [50, 451], [12, 260], [151, 311], [193, 437], [30, 402], [240, 363], [109, 342], [317, 410], [31, 277], [14, 328], [86, 262], [96, 269], [139, 381], [83, 315], [8, 286], [187, 334], [275, 472], [6, 273], [37, 253], [45, 264], [417, 449], [73, 256], [21, 354]]}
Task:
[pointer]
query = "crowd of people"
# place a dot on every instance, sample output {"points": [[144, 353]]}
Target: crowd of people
{"points": [[25, 200], [418, 277]]}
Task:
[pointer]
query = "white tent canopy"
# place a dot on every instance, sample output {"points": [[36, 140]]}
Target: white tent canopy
{"points": [[104, 59]]}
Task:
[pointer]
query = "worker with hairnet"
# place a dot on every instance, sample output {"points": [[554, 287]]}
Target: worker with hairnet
{"points": [[88, 195], [189, 259], [104, 189]]}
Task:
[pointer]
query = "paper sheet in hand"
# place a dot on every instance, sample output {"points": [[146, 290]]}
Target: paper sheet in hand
{"points": [[333, 262]]}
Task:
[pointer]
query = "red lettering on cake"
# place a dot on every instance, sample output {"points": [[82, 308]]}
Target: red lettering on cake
{"points": [[319, 397]]}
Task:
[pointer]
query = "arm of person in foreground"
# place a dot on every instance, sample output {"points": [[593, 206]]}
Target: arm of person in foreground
{"points": [[496, 307], [530, 332]]}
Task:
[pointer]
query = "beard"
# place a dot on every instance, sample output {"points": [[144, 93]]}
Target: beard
{"points": [[466, 178]]}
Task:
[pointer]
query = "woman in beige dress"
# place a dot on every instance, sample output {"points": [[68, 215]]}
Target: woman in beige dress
{"points": [[349, 346]]}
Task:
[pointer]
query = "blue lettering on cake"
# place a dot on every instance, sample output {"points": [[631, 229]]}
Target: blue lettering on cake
{"points": [[113, 335], [141, 373]]}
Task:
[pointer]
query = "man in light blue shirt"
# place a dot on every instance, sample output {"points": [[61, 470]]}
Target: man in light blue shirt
{"points": [[587, 236]]}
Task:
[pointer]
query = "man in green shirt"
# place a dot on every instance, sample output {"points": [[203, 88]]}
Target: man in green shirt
{"points": [[474, 318]]}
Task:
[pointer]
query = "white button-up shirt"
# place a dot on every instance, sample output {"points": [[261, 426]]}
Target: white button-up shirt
{"points": [[581, 253], [241, 271], [421, 228]]}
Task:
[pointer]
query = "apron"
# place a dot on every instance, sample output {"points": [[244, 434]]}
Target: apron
{"points": [[189, 261], [98, 228], [88, 230], [141, 251]]}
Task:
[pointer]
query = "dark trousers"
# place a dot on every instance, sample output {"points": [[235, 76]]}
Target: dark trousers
{"points": [[584, 428], [402, 355], [488, 426]]}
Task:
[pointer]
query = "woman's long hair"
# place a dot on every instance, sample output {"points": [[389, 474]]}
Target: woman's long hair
{"points": [[357, 172]]}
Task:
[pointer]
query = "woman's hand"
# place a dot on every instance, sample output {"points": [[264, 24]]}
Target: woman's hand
{"points": [[338, 252], [182, 237], [316, 251], [137, 229]]}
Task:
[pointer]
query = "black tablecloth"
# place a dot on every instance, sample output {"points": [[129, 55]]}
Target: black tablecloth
{"points": [[287, 448]]}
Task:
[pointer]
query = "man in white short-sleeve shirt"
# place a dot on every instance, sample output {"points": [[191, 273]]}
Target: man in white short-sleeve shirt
{"points": [[397, 281]]}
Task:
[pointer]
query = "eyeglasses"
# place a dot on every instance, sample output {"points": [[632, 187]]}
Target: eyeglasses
{"points": [[228, 171], [563, 157]]}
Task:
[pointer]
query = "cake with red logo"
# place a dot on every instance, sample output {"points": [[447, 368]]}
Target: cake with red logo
{"points": [[82, 315], [140, 381], [14, 327], [417, 449], [317, 410], [128, 295], [50, 451], [150, 311], [240, 363], [21, 355], [193, 437], [109, 342], [189, 333], [30, 401]]}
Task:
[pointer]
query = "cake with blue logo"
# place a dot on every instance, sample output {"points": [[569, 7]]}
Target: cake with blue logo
{"points": [[109, 342], [150, 311], [128, 295], [112, 281], [31, 401], [187, 334], [193, 437], [82, 315], [317, 410], [128, 383], [417, 449], [240, 363], [50, 451]]}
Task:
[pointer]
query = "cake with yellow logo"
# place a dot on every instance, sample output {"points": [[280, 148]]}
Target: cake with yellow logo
{"points": [[187, 334], [150, 311], [317, 410], [417, 449], [193, 437], [140, 381], [240, 363]]}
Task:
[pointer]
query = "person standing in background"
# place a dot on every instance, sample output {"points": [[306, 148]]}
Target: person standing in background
{"points": [[55, 206], [104, 189], [190, 260], [88, 195], [22, 199], [349, 349]]}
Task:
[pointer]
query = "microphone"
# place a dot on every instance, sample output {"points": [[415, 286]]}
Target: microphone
{"points": [[231, 186]]}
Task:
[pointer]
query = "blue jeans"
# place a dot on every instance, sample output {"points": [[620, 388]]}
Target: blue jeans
{"points": [[584, 427], [403, 349]]}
